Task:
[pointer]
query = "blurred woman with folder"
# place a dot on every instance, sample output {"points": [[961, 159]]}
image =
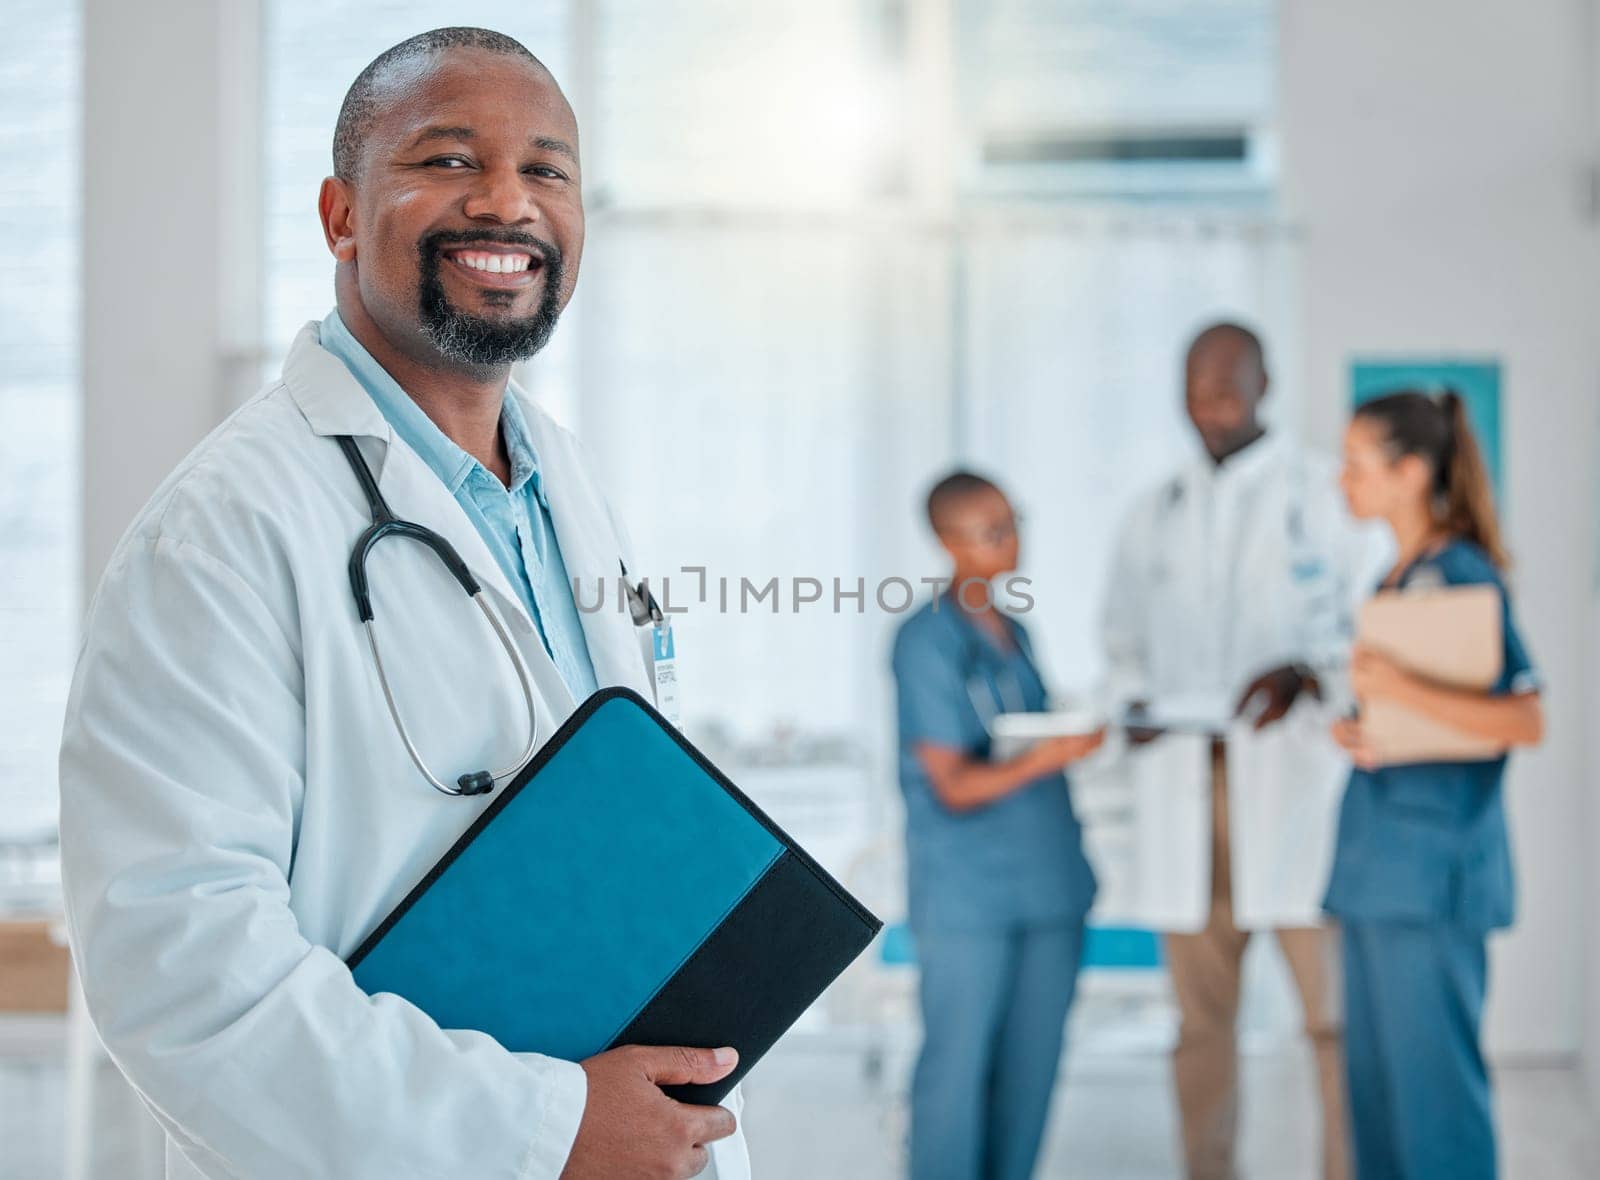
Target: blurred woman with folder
{"points": [[999, 884], [1422, 870]]}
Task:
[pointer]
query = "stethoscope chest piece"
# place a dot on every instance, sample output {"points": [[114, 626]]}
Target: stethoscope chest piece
{"points": [[479, 782]]}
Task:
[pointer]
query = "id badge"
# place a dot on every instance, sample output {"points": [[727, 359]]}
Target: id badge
{"points": [[664, 668]]}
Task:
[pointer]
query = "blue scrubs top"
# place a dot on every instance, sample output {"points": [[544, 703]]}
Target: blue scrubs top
{"points": [[1427, 841], [1015, 861]]}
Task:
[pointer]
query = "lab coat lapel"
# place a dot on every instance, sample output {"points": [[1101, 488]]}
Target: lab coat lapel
{"points": [[592, 552]]}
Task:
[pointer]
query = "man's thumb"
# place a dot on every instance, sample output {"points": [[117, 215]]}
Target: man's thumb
{"points": [[675, 1065]]}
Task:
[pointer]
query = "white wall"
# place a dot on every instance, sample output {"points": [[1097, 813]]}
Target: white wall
{"points": [[1435, 153]]}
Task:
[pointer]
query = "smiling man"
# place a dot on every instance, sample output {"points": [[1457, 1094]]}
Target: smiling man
{"points": [[238, 808]]}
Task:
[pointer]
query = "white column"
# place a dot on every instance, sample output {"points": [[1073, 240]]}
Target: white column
{"points": [[171, 314], [171, 271]]}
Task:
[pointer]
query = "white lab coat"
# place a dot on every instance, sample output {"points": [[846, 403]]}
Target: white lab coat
{"points": [[1220, 574], [237, 810]]}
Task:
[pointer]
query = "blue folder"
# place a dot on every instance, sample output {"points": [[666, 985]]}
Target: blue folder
{"points": [[620, 891]]}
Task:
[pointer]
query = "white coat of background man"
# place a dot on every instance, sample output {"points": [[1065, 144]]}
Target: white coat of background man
{"points": [[1231, 585], [237, 809]]}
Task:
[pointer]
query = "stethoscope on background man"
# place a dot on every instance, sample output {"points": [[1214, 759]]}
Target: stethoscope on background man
{"points": [[642, 606], [988, 683]]}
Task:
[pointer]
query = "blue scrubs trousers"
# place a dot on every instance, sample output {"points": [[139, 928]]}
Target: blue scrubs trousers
{"points": [[1419, 1091], [994, 1010]]}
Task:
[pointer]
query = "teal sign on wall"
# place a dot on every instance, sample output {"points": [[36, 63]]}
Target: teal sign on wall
{"points": [[1477, 381]]}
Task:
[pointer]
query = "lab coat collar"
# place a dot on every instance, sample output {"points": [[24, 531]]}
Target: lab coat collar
{"points": [[327, 393], [334, 402], [449, 461], [1243, 466]]}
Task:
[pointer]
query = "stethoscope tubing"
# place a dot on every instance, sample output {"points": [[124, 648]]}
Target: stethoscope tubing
{"points": [[386, 524]]}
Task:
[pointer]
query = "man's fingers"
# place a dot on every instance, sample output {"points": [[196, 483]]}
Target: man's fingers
{"points": [[676, 1065], [1250, 691], [1276, 711], [707, 1124]]}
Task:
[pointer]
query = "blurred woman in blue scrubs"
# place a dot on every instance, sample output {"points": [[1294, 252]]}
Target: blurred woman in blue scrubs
{"points": [[999, 885], [1422, 868]]}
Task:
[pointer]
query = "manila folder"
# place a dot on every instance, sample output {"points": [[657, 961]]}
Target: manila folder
{"points": [[1450, 635]]}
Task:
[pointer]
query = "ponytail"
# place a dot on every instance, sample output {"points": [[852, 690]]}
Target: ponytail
{"points": [[1468, 499], [1438, 432]]}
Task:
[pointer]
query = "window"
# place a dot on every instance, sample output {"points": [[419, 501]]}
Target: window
{"points": [[783, 346], [728, 104], [39, 405], [1100, 98], [783, 352]]}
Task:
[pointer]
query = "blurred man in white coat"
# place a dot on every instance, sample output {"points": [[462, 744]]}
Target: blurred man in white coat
{"points": [[1226, 620]]}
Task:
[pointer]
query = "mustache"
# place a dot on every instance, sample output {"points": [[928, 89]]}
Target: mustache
{"points": [[548, 253]]}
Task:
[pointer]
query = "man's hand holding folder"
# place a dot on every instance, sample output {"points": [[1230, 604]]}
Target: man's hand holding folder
{"points": [[630, 1128]]}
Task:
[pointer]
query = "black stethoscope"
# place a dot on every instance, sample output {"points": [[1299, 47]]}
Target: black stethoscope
{"points": [[385, 523], [986, 691]]}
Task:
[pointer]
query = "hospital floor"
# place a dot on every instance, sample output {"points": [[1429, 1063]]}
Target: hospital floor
{"points": [[1114, 1120], [816, 1109]]}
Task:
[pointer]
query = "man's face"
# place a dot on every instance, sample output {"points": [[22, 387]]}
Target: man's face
{"points": [[466, 218], [1223, 386]]}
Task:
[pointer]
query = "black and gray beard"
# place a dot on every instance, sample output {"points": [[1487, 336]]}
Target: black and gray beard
{"points": [[476, 340]]}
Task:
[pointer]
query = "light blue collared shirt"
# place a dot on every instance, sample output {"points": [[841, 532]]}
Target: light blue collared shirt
{"points": [[514, 522]]}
